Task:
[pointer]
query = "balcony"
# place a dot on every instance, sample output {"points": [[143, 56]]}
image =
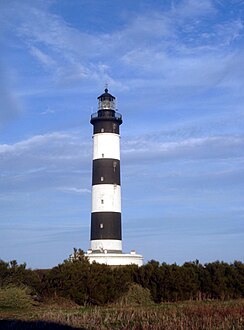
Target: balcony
{"points": [[107, 114]]}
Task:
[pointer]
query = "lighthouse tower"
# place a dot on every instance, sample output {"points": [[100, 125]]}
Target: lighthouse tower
{"points": [[106, 229]]}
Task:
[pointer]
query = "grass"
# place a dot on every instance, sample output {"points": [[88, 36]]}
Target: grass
{"points": [[187, 315]]}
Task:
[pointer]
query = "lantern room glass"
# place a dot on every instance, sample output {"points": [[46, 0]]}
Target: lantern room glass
{"points": [[106, 105]]}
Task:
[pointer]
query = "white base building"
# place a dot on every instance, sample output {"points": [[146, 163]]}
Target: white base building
{"points": [[115, 259]]}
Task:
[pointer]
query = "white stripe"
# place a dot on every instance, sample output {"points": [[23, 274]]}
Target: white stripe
{"points": [[106, 198], [106, 244], [106, 145]]}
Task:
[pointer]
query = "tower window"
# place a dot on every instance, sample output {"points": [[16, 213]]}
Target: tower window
{"points": [[102, 130], [101, 225], [102, 155], [102, 201], [102, 178], [114, 165]]}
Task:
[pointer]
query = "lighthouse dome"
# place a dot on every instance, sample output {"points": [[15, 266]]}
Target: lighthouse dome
{"points": [[106, 96]]}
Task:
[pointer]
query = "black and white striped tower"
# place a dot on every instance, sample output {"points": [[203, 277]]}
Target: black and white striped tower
{"points": [[106, 230], [106, 192]]}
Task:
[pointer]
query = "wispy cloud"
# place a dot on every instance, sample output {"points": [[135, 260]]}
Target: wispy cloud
{"points": [[199, 55], [193, 148], [54, 152], [45, 59], [58, 160], [47, 111], [56, 149], [75, 190], [190, 8], [10, 105], [10, 108], [50, 161]]}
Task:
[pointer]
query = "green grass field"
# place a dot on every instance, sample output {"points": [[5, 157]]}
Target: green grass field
{"points": [[187, 315]]}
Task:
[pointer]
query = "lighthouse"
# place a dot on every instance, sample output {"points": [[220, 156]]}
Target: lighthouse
{"points": [[106, 227]]}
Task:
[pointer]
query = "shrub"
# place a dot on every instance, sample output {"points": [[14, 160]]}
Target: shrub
{"points": [[136, 296], [15, 297]]}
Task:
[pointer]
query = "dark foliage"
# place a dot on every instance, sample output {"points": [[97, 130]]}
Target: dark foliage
{"points": [[87, 283], [192, 281], [13, 274], [96, 284]]}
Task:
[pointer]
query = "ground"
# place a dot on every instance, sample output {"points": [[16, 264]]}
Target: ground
{"points": [[184, 315]]}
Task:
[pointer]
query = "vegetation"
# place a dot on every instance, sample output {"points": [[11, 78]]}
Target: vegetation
{"points": [[212, 315], [81, 295], [94, 284], [168, 316], [13, 274], [136, 296], [15, 297]]}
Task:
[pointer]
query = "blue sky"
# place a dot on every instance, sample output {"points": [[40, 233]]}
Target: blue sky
{"points": [[177, 71]]}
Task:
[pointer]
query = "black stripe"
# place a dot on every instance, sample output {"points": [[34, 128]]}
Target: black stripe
{"points": [[106, 171], [106, 225], [105, 126]]}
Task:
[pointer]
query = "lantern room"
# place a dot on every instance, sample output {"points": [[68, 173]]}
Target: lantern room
{"points": [[106, 101]]}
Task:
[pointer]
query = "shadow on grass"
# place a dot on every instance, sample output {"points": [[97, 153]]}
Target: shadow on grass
{"points": [[34, 325]]}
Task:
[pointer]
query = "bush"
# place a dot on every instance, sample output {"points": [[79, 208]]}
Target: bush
{"points": [[11, 273], [15, 297], [136, 296]]}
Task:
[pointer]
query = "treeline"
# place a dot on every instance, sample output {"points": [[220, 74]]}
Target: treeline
{"points": [[96, 284]]}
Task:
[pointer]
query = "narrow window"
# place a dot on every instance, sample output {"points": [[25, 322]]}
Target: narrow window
{"points": [[102, 201], [114, 165], [101, 225], [102, 178], [102, 130], [102, 155]]}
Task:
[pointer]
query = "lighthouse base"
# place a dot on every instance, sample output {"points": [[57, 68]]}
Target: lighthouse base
{"points": [[115, 259]]}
